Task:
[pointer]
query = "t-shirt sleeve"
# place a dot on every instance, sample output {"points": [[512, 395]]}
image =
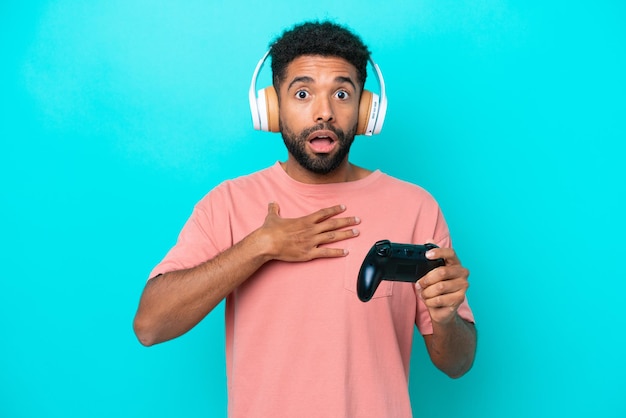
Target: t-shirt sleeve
{"points": [[197, 240], [441, 236]]}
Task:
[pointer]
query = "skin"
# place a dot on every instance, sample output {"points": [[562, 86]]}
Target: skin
{"points": [[319, 96], [452, 345], [320, 92]]}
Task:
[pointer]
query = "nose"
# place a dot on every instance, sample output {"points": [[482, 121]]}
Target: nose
{"points": [[323, 110]]}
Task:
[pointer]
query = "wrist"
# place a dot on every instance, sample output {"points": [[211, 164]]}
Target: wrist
{"points": [[262, 245], [450, 322]]}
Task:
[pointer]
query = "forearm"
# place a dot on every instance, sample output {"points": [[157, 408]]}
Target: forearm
{"points": [[452, 346], [175, 302]]}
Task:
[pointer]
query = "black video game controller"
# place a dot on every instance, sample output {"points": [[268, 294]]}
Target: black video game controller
{"points": [[391, 261]]}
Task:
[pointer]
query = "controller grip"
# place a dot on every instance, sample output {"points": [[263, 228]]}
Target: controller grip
{"points": [[369, 279]]}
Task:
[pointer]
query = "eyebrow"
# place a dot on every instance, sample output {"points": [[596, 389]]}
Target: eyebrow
{"points": [[307, 79]]}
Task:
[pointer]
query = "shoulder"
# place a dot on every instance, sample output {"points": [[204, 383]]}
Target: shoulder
{"points": [[252, 179], [402, 186], [231, 189]]}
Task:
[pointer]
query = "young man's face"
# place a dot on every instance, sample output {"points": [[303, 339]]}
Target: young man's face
{"points": [[319, 105]]}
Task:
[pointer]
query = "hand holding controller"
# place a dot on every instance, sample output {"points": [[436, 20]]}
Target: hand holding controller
{"points": [[396, 262]]}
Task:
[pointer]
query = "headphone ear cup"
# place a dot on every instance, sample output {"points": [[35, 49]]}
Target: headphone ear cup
{"points": [[365, 110], [267, 108], [271, 102]]}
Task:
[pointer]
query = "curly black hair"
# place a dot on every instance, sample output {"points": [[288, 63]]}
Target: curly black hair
{"points": [[318, 38]]}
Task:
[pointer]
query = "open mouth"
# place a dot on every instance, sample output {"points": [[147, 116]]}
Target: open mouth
{"points": [[322, 142]]}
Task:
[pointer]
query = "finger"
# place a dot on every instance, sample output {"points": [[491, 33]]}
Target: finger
{"points": [[450, 300], [443, 274], [336, 224], [325, 252], [434, 276], [448, 254], [327, 213], [446, 287], [334, 236], [432, 254]]}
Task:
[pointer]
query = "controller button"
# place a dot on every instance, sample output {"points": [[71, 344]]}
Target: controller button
{"points": [[383, 249]]}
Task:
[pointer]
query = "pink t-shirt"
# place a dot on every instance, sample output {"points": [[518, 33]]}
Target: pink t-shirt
{"points": [[299, 342]]}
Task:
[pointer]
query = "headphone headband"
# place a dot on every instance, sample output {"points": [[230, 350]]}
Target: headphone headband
{"points": [[254, 108], [264, 108]]}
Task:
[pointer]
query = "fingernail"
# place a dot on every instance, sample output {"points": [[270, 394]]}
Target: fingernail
{"points": [[357, 220], [355, 232], [429, 254]]}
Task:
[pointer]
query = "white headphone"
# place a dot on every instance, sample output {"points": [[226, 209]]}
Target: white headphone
{"points": [[264, 106]]}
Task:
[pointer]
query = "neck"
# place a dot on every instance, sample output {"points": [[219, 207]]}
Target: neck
{"points": [[344, 173]]}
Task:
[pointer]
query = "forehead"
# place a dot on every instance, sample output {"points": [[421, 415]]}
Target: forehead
{"points": [[320, 68]]}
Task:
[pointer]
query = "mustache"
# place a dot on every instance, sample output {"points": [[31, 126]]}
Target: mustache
{"points": [[322, 127]]}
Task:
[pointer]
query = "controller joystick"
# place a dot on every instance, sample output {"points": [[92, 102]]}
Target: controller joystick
{"points": [[396, 262]]}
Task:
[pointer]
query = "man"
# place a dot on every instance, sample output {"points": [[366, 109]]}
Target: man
{"points": [[284, 246]]}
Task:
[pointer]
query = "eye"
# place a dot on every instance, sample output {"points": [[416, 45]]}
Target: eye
{"points": [[342, 95], [302, 94]]}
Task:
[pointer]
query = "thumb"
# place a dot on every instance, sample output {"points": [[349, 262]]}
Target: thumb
{"points": [[273, 209]]}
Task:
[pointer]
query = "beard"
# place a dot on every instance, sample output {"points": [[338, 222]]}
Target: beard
{"points": [[317, 163]]}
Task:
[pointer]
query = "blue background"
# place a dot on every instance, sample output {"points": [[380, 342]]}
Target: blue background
{"points": [[117, 116]]}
